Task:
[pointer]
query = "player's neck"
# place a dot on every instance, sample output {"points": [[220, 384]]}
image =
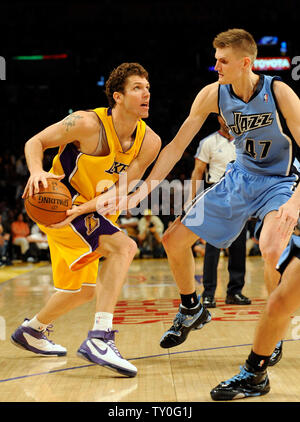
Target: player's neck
{"points": [[245, 86], [124, 124]]}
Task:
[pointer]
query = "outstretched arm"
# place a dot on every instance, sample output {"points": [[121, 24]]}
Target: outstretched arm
{"points": [[205, 103]]}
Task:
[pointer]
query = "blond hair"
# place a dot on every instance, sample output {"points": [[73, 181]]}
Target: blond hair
{"points": [[238, 39]]}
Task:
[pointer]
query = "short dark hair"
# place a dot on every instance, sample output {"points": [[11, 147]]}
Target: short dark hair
{"points": [[117, 79]]}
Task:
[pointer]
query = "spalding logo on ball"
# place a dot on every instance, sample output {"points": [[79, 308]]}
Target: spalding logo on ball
{"points": [[49, 206]]}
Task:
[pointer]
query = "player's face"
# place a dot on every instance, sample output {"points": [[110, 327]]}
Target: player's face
{"points": [[229, 65], [136, 97]]}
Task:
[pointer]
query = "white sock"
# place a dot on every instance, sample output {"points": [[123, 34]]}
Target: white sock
{"points": [[103, 321], [36, 324]]}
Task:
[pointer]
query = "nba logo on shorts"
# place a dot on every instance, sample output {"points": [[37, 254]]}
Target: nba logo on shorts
{"points": [[2, 328], [266, 98]]}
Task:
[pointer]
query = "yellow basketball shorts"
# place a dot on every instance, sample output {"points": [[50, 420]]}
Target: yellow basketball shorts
{"points": [[73, 252]]}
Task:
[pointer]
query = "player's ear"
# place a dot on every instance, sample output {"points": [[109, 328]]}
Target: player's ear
{"points": [[247, 63], [117, 96]]}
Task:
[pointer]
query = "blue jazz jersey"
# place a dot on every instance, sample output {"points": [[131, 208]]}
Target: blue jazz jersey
{"points": [[263, 142], [260, 180]]}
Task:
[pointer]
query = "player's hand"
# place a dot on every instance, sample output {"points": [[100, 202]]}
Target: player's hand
{"points": [[288, 214], [74, 212], [116, 204], [32, 185], [112, 205]]}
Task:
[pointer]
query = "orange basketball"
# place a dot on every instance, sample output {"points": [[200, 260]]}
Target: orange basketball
{"points": [[49, 206]]}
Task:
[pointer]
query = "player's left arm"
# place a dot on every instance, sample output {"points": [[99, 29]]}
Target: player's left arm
{"points": [[149, 150], [289, 104]]}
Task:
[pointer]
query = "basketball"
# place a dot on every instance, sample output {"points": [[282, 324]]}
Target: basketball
{"points": [[49, 206]]}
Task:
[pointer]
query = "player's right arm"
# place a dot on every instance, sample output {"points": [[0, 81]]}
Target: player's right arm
{"points": [[75, 127], [206, 102]]}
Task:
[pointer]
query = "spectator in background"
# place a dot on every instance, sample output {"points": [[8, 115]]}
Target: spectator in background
{"points": [[4, 244], [212, 156], [129, 224], [199, 247], [20, 231], [151, 229], [39, 247], [252, 244], [21, 167]]}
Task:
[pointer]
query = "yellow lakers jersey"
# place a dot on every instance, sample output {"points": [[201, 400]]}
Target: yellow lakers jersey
{"points": [[87, 176]]}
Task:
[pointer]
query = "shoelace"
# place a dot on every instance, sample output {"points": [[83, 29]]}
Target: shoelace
{"points": [[178, 320], [48, 330], [111, 343], [242, 375]]}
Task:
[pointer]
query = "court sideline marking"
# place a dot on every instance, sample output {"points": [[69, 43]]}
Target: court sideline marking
{"points": [[138, 358]]}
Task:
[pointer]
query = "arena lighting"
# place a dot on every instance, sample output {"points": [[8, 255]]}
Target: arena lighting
{"points": [[272, 63], [268, 40], [42, 57], [101, 81], [268, 63]]}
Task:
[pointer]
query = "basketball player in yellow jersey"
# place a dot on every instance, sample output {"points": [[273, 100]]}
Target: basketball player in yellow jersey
{"points": [[95, 146]]}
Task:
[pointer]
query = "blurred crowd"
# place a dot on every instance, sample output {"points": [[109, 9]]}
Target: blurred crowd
{"points": [[21, 238]]}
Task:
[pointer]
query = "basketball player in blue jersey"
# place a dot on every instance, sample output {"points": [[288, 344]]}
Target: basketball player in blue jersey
{"points": [[263, 114], [95, 146], [253, 379]]}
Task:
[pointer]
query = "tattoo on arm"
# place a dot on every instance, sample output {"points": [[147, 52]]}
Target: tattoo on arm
{"points": [[70, 121]]}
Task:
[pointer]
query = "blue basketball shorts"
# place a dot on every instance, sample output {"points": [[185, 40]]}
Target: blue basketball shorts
{"points": [[219, 214], [292, 249]]}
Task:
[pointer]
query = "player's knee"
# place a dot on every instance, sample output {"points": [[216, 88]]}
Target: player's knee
{"points": [[132, 248], [129, 248], [273, 307], [276, 306], [88, 293], [123, 246], [270, 254]]}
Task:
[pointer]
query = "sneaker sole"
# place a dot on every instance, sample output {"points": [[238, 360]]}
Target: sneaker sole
{"points": [[242, 395], [83, 355], [25, 347]]}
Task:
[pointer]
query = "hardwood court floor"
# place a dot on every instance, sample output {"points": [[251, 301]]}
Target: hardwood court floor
{"points": [[145, 310]]}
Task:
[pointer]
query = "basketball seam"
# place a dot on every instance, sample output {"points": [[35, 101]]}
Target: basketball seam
{"points": [[43, 209], [53, 193]]}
